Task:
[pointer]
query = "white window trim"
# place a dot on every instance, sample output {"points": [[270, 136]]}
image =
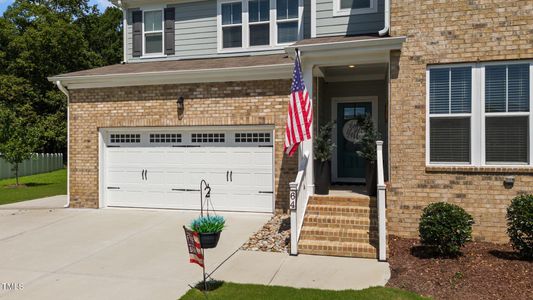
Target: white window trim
{"points": [[245, 23], [339, 12], [162, 31], [478, 115]]}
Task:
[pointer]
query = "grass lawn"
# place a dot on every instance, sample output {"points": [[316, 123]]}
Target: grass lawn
{"points": [[36, 186], [259, 292]]}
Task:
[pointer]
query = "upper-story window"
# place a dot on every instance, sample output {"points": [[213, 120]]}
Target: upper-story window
{"points": [[247, 25], [480, 114], [153, 32], [354, 7]]}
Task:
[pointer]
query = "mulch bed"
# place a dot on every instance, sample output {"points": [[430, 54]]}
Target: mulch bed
{"points": [[483, 271]]}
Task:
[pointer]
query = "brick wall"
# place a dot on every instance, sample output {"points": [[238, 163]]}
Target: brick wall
{"points": [[449, 32], [231, 103]]}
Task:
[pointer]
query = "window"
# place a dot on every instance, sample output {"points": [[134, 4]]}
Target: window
{"points": [[208, 138], [287, 20], [354, 7], [232, 25], [121, 138], [257, 24], [165, 138], [252, 137], [507, 113], [480, 114], [450, 98], [153, 32]]}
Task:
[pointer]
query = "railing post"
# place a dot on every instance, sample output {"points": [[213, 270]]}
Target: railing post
{"points": [[382, 222], [293, 198]]}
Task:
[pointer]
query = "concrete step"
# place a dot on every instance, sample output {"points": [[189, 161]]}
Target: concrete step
{"points": [[339, 234], [348, 249], [341, 200], [341, 210], [348, 222]]}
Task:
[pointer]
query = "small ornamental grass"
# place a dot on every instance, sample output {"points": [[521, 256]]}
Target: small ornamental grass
{"points": [[520, 225], [445, 227], [208, 224]]}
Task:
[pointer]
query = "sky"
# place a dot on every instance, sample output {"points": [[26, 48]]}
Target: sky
{"points": [[102, 4]]}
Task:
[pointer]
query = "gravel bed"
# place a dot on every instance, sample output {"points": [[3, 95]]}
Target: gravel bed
{"points": [[275, 236]]}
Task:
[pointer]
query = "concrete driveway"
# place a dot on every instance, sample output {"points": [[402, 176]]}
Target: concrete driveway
{"points": [[106, 254]]}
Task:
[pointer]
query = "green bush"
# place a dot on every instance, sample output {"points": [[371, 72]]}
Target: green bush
{"points": [[446, 227], [520, 224], [208, 224]]}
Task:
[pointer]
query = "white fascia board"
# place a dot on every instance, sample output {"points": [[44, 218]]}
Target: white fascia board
{"points": [[348, 47], [264, 72]]}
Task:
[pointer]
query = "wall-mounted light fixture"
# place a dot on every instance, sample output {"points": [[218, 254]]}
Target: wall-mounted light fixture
{"points": [[180, 103]]}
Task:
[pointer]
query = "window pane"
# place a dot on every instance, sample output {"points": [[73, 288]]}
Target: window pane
{"points": [[495, 88], [153, 20], [355, 4], [506, 139], [518, 88], [259, 34], [154, 43], [232, 37], [231, 13], [287, 32], [461, 89], [439, 91], [259, 10], [287, 9], [449, 140]]}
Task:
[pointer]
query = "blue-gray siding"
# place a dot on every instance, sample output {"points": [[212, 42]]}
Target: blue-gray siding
{"points": [[328, 25]]}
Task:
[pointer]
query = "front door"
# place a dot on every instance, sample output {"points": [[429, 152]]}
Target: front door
{"points": [[350, 167]]}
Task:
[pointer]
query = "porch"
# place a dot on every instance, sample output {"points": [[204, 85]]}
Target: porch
{"points": [[347, 81]]}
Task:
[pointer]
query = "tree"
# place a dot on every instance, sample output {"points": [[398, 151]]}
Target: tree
{"points": [[19, 139]]}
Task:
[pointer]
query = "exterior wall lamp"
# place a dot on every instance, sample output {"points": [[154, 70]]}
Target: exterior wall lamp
{"points": [[180, 103]]}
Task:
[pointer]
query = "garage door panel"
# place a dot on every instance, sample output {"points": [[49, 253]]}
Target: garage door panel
{"points": [[237, 174]]}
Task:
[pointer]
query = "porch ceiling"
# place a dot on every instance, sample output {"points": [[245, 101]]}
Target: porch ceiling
{"points": [[356, 72]]}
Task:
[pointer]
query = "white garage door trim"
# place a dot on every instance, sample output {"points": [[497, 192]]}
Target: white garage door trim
{"points": [[129, 137]]}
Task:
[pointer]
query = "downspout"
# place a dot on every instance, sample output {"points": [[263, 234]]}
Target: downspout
{"points": [[65, 91], [124, 31], [385, 29]]}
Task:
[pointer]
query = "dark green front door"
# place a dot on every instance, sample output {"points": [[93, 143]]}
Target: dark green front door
{"points": [[350, 166]]}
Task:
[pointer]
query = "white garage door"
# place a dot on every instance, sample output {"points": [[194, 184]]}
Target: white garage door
{"points": [[163, 169]]}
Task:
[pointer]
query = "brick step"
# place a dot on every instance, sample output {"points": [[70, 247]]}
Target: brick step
{"points": [[341, 210], [348, 222], [339, 234], [356, 199], [348, 249]]}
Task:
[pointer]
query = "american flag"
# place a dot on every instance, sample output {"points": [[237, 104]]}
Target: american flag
{"points": [[300, 116], [193, 243]]}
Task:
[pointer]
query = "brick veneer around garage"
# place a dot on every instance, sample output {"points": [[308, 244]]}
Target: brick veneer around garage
{"points": [[230, 103], [449, 32]]}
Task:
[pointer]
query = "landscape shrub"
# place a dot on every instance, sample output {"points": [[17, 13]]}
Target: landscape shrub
{"points": [[445, 227], [520, 224]]}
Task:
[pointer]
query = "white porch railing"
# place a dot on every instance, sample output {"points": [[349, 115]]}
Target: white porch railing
{"points": [[298, 198], [382, 216]]}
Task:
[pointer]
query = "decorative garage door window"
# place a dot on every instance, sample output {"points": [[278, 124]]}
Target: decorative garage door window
{"points": [[124, 138], [165, 138], [208, 137], [252, 137]]}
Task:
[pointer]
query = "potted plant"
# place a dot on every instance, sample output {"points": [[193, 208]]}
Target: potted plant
{"points": [[323, 148], [208, 229], [368, 151]]}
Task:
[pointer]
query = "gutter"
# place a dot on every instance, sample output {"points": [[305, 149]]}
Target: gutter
{"points": [[65, 91], [386, 28]]}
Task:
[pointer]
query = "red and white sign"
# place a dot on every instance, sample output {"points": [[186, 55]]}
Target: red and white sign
{"points": [[195, 251]]}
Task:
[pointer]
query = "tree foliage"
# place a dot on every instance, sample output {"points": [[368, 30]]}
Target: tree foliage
{"points": [[42, 38]]}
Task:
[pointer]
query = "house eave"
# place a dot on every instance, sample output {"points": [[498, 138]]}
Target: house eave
{"points": [[260, 72]]}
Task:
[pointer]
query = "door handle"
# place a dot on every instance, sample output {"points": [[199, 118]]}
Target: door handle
{"points": [[227, 173], [142, 174], [145, 174], [231, 176]]}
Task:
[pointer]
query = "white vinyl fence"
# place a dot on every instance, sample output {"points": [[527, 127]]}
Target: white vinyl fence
{"points": [[40, 163]]}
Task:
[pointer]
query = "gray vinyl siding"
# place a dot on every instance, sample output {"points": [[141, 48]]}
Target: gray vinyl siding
{"points": [[328, 25]]}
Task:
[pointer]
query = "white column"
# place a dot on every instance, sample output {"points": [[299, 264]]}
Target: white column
{"points": [[307, 146], [382, 225]]}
